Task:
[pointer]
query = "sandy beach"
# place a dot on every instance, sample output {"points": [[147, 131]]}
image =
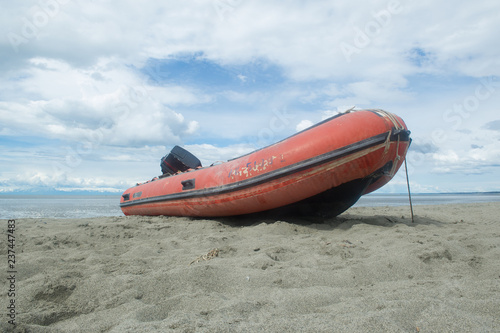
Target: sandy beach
{"points": [[368, 270]]}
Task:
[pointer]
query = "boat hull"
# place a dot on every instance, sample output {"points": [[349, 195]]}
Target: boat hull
{"points": [[323, 169]]}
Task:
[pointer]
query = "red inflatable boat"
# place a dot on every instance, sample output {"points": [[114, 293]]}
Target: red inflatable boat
{"points": [[321, 170]]}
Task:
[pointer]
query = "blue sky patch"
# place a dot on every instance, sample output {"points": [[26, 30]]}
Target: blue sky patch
{"points": [[197, 71]]}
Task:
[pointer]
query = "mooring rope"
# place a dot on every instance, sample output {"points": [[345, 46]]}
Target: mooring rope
{"points": [[409, 193]]}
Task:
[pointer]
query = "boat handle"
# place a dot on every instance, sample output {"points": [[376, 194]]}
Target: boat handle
{"points": [[187, 184]]}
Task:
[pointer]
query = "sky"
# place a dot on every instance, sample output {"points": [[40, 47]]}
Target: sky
{"points": [[94, 93]]}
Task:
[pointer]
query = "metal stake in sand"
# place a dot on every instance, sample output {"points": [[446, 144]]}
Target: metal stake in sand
{"points": [[409, 193]]}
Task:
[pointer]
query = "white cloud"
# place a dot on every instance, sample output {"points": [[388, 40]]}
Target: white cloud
{"points": [[303, 124], [209, 154], [69, 104], [242, 78], [304, 38]]}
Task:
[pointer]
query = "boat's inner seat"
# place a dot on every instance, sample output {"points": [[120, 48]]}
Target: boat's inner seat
{"points": [[178, 160]]}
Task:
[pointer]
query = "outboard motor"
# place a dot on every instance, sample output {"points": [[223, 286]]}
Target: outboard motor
{"points": [[179, 159]]}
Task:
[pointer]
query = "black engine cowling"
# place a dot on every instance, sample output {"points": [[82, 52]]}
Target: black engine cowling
{"points": [[179, 159]]}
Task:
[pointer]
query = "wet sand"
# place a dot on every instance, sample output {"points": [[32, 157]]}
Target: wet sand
{"points": [[368, 270]]}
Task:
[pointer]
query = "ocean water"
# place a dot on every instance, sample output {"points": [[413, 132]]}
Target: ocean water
{"points": [[88, 206], [379, 199], [59, 206]]}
